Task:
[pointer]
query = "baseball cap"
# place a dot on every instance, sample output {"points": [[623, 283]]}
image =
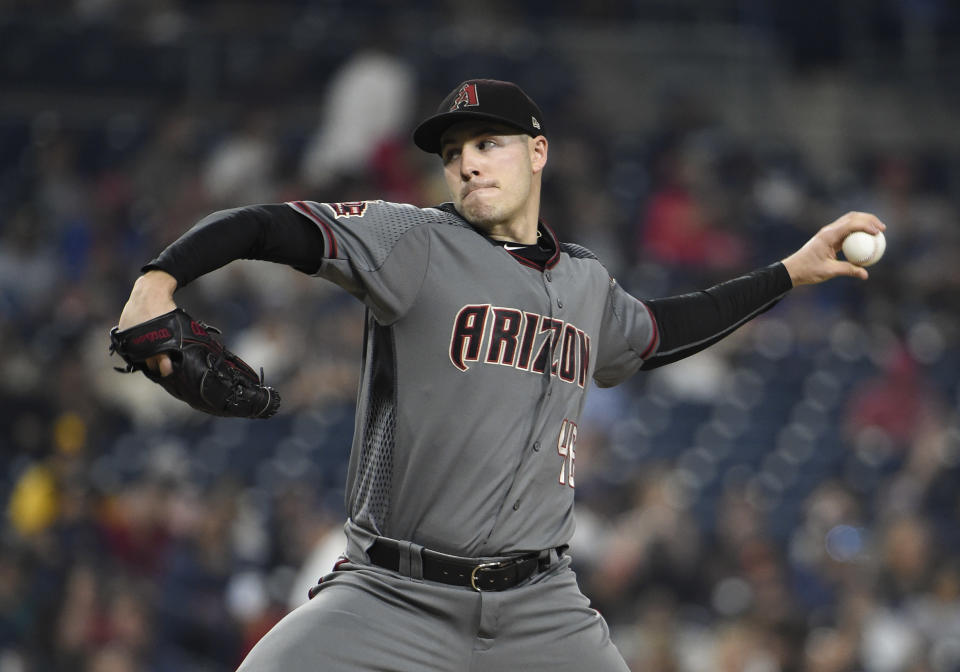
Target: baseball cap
{"points": [[484, 99]]}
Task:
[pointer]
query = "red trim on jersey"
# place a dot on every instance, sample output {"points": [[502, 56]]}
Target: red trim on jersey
{"points": [[568, 354], [584, 347], [655, 338], [549, 263], [304, 210], [550, 346], [552, 261], [502, 338], [468, 335], [523, 260], [530, 327]]}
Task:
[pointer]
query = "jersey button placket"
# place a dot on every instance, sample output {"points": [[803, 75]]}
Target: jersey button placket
{"points": [[552, 300]]}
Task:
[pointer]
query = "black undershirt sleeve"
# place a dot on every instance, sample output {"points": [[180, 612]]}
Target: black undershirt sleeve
{"points": [[268, 232], [688, 323]]}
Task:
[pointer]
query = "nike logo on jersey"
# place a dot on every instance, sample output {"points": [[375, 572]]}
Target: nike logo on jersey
{"points": [[520, 340], [513, 247]]}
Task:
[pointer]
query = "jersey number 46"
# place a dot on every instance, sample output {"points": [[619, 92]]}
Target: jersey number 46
{"points": [[565, 446]]}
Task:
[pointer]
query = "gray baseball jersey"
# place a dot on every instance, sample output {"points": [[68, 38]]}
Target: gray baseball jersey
{"points": [[475, 369]]}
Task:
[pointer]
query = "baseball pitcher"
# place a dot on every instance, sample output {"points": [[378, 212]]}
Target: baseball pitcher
{"points": [[483, 332]]}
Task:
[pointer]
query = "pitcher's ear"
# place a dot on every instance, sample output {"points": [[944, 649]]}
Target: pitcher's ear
{"points": [[538, 153]]}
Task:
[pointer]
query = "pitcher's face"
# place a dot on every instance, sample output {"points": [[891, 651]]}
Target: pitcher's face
{"points": [[489, 169]]}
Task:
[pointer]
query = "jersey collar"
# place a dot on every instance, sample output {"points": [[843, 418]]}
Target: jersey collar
{"points": [[547, 237]]}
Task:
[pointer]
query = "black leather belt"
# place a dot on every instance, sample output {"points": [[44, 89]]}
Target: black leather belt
{"points": [[481, 576]]}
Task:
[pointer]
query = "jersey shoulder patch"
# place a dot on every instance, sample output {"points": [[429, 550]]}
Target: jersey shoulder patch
{"points": [[578, 251], [378, 224]]}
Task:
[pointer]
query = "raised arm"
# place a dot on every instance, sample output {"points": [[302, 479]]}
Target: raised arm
{"points": [[689, 323]]}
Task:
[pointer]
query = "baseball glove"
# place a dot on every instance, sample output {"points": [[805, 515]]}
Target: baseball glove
{"points": [[205, 374]]}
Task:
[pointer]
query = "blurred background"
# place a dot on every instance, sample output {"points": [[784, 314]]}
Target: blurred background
{"points": [[785, 501]]}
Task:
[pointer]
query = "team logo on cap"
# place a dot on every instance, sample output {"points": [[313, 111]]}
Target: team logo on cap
{"points": [[466, 97]]}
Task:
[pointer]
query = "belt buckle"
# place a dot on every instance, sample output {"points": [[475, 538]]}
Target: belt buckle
{"points": [[482, 566]]}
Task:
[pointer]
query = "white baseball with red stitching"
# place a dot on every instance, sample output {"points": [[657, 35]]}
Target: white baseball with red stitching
{"points": [[864, 249]]}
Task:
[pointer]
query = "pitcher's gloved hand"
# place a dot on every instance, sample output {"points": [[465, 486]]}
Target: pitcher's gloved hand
{"points": [[205, 374]]}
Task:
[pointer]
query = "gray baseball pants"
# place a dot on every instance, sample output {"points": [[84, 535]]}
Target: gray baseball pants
{"points": [[366, 618]]}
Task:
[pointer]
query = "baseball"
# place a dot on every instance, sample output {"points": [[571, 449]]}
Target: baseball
{"points": [[864, 249]]}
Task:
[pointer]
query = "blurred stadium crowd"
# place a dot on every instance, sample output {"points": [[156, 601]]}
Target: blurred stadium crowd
{"points": [[785, 501]]}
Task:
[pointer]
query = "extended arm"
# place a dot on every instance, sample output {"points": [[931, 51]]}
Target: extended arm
{"points": [[689, 323]]}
